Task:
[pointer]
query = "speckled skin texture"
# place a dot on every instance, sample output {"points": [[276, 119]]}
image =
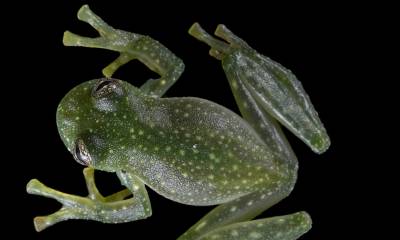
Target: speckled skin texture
{"points": [[189, 150]]}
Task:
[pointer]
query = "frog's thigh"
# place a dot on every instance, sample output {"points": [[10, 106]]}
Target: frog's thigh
{"points": [[239, 210], [261, 121], [287, 227]]}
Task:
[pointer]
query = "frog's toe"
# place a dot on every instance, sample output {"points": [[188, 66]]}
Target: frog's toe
{"points": [[65, 213], [33, 186], [40, 223], [223, 32], [219, 48], [43, 222]]}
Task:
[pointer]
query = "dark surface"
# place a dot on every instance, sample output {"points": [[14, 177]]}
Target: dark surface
{"points": [[317, 45]]}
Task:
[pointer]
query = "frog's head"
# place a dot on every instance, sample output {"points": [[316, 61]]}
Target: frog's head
{"points": [[89, 118]]}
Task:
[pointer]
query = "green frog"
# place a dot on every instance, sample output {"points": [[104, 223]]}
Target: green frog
{"points": [[187, 149]]}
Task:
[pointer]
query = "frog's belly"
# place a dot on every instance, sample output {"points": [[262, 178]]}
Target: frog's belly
{"points": [[209, 185], [206, 155]]}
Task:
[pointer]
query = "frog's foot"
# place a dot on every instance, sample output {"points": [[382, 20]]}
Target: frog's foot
{"points": [[218, 48], [110, 38], [112, 209], [131, 46]]}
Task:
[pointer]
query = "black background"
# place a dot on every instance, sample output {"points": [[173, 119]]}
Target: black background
{"points": [[321, 44]]}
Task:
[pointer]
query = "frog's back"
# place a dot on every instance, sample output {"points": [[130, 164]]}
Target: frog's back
{"points": [[206, 154]]}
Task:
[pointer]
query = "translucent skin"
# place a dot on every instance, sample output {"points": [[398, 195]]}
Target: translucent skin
{"points": [[189, 150], [280, 93]]}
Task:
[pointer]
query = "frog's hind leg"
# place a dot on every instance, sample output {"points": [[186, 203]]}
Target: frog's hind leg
{"points": [[236, 216], [130, 46], [111, 209], [264, 124], [288, 227], [275, 88]]}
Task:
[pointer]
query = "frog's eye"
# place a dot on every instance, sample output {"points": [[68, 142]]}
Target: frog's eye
{"points": [[106, 86], [81, 154]]}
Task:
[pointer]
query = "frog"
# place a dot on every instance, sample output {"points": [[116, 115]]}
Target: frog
{"points": [[187, 149]]}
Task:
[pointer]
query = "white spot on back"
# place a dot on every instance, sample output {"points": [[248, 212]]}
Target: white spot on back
{"points": [[182, 152], [234, 233], [255, 235]]}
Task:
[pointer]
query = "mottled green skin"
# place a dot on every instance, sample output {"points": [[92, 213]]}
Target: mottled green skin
{"points": [[189, 150], [279, 92]]}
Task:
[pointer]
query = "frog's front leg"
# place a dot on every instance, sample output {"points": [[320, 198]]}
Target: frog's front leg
{"points": [[130, 46], [111, 209]]}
